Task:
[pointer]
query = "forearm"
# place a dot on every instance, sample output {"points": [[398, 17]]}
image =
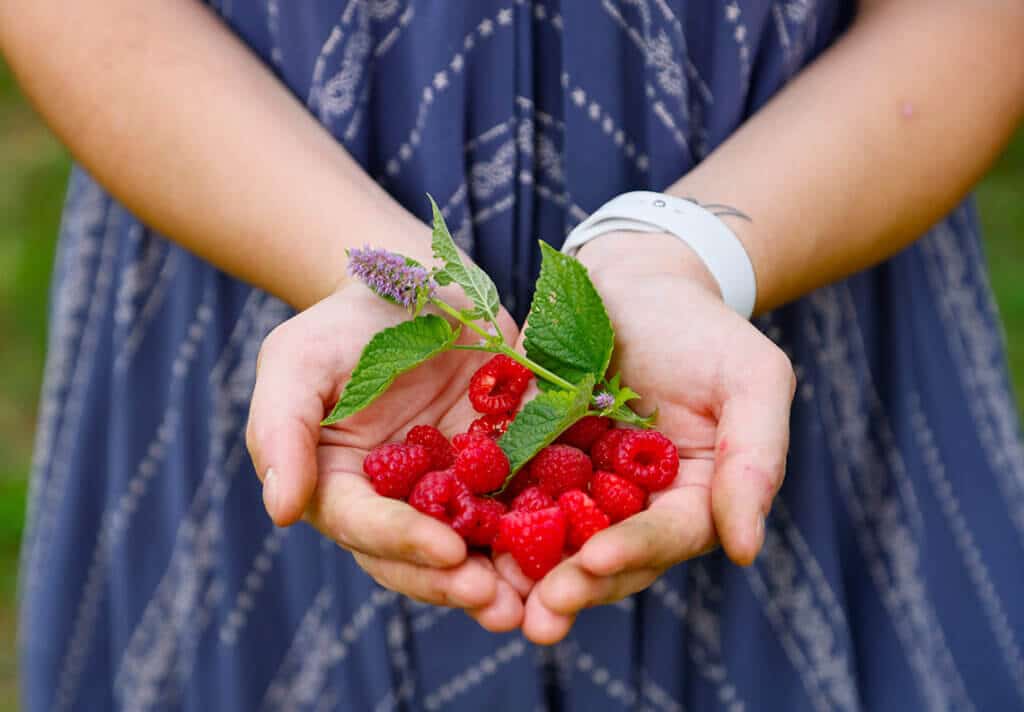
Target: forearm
{"points": [[173, 115], [872, 144]]}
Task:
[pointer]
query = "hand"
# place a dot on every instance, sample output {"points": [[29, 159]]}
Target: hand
{"points": [[316, 473], [723, 392]]}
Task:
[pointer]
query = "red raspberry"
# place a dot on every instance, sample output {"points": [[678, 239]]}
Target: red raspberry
{"points": [[616, 496], [493, 424], [442, 454], [585, 432], [461, 440], [559, 468], [478, 519], [393, 468], [648, 458], [603, 451], [535, 539], [481, 464], [520, 482], [498, 385], [531, 499], [583, 517], [436, 494]]}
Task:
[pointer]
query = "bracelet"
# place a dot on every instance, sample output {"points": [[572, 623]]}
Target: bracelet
{"points": [[716, 245]]}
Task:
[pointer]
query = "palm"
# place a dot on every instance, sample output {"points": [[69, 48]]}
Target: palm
{"points": [[433, 393], [722, 392], [678, 370], [303, 368]]}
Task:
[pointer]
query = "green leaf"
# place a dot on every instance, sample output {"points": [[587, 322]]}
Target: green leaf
{"points": [[542, 420], [568, 330], [389, 354], [473, 280]]}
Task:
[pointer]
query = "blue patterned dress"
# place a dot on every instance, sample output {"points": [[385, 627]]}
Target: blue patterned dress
{"points": [[891, 577]]}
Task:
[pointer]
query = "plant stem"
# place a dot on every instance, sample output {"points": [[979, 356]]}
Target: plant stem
{"points": [[541, 372], [495, 343], [453, 313]]}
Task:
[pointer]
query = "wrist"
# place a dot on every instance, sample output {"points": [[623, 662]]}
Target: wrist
{"points": [[643, 254]]}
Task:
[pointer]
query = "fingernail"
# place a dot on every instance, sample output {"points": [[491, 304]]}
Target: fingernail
{"points": [[760, 531], [270, 493]]}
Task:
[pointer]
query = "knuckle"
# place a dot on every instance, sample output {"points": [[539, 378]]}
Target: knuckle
{"points": [[334, 526], [258, 433], [339, 534], [421, 586], [405, 543], [272, 344], [780, 368], [252, 442]]}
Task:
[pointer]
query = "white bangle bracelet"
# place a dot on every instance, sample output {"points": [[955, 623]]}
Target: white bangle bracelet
{"points": [[712, 240]]}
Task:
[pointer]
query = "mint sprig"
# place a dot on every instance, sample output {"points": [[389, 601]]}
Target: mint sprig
{"points": [[569, 339]]}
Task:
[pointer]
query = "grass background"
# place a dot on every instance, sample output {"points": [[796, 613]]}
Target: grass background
{"points": [[33, 173]]}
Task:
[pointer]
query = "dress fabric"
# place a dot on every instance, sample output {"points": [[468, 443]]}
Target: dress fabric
{"points": [[891, 576]]}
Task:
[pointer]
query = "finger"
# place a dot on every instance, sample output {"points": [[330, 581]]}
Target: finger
{"points": [[284, 423], [750, 461], [509, 570], [473, 584], [541, 625], [345, 508], [504, 613], [568, 588], [678, 526]]}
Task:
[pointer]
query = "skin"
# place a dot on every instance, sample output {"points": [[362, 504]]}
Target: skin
{"points": [[833, 181], [852, 160], [315, 472]]}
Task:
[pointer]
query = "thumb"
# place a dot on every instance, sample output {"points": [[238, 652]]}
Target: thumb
{"points": [[750, 456], [284, 425]]}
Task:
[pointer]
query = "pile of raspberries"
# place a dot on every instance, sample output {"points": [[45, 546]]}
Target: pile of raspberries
{"points": [[593, 476]]}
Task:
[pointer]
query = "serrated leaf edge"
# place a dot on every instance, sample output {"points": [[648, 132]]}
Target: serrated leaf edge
{"points": [[337, 414]]}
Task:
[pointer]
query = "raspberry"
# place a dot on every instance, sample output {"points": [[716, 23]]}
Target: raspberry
{"points": [[493, 424], [616, 496], [461, 440], [583, 517], [585, 432], [442, 455], [531, 499], [535, 539], [498, 385], [558, 468], [602, 452], [478, 519], [394, 468], [436, 494], [647, 458], [481, 464], [520, 482]]}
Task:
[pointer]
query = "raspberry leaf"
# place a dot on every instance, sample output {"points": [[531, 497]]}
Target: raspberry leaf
{"points": [[473, 280], [542, 420], [568, 330], [389, 354]]}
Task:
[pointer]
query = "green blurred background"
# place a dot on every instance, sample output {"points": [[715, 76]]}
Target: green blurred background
{"points": [[33, 171]]}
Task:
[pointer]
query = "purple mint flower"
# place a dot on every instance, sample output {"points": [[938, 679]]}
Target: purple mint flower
{"points": [[389, 275], [604, 400]]}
